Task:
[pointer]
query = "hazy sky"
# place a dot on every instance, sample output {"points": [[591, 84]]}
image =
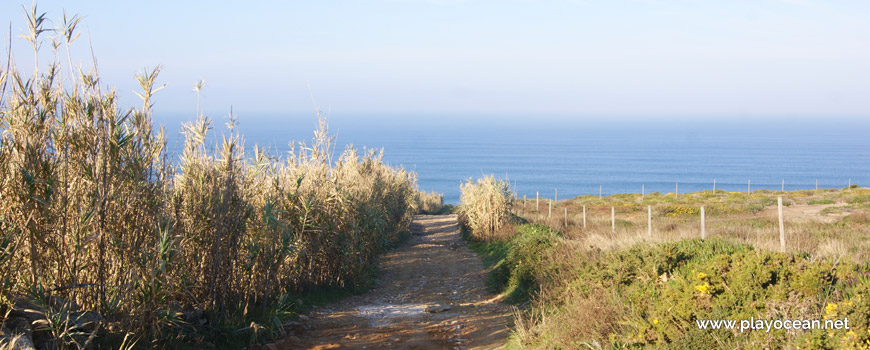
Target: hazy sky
{"points": [[584, 58]]}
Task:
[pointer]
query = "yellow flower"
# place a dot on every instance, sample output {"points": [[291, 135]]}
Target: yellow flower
{"points": [[701, 275], [655, 321], [831, 308], [703, 288]]}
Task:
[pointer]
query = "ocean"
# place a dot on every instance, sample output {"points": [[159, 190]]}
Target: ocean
{"points": [[582, 156]]}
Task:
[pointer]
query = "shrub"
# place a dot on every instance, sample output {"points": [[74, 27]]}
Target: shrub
{"points": [[681, 210], [657, 292], [485, 206], [429, 202]]}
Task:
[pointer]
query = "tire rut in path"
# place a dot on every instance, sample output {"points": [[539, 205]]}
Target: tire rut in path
{"points": [[430, 294]]}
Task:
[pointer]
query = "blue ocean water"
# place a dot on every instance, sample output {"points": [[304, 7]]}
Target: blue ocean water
{"points": [[578, 157]]}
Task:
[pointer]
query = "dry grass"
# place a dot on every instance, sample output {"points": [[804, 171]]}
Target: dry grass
{"points": [[842, 228], [93, 213], [430, 202]]}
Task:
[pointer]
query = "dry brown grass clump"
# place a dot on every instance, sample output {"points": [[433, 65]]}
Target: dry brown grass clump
{"points": [[485, 206]]}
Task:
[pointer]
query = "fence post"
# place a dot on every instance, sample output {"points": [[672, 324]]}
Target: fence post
{"points": [[850, 184], [748, 186], [550, 209], [781, 226], [584, 216], [599, 190], [642, 192], [703, 224], [649, 220], [714, 186], [566, 217], [612, 220], [783, 186]]}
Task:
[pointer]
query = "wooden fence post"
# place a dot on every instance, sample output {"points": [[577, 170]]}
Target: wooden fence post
{"points": [[783, 186], [550, 209], [703, 224], [566, 217], [748, 186], [781, 226], [600, 187], [612, 220], [584, 216], [714, 186]]}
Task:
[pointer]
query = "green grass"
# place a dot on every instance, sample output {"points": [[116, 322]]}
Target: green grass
{"points": [[513, 263], [720, 203]]}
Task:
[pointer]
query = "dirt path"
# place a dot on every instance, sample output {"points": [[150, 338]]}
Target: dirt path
{"points": [[430, 295], [806, 212]]}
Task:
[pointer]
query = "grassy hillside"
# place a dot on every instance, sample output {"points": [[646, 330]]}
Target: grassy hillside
{"points": [[827, 222], [593, 288]]}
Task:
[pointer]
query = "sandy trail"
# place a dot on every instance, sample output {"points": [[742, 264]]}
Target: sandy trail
{"points": [[806, 212], [430, 294]]}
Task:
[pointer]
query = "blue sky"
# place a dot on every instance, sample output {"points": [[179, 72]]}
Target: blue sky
{"points": [[581, 59]]}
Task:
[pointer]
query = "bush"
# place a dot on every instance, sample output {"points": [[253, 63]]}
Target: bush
{"points": [[681, 210], [429, 202], [485, 206]]}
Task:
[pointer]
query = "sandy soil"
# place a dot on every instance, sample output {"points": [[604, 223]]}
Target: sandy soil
{"points": [[430, 295], [805, 212]]}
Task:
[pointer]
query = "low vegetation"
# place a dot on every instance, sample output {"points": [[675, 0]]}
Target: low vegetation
{"points": [[600, 287], [431, 203], [106, 242], [486, 206], [824, 223], [651, 295]]}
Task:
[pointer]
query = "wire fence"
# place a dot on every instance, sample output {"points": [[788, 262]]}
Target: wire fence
{"points": [[569, 215]]}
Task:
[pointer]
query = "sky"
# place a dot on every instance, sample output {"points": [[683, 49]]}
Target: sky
{"points": [[571, 58]]}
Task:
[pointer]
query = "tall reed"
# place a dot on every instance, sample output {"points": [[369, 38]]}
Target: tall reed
{"points": [[486, 206], [93, 213]]}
